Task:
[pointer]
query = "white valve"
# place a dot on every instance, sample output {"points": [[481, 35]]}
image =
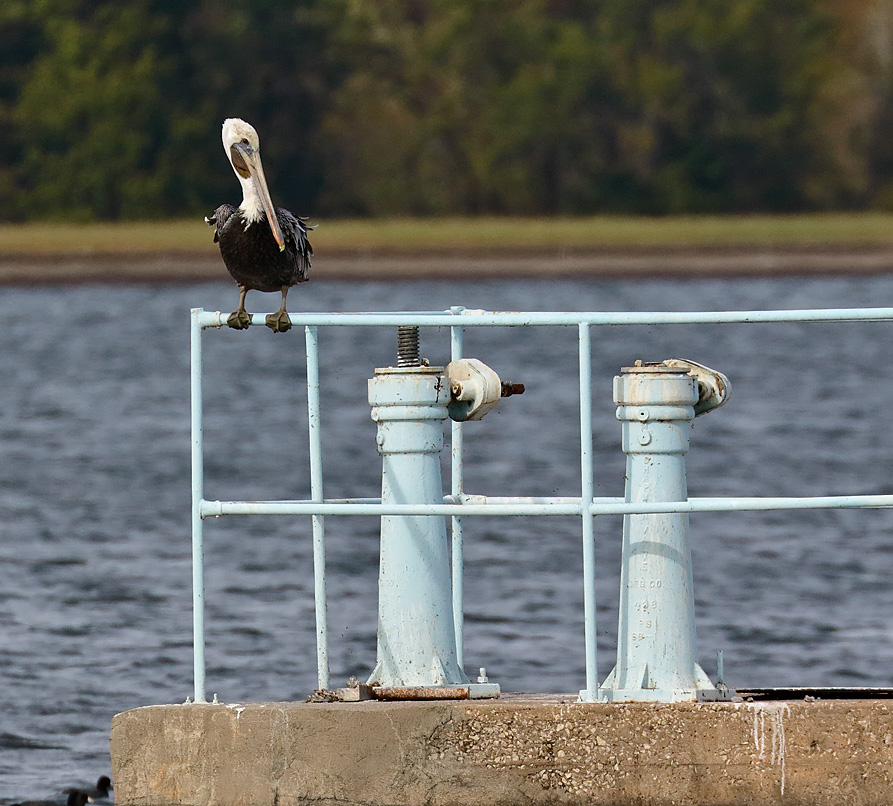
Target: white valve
{"points": [[474, 389], [714, 388]]}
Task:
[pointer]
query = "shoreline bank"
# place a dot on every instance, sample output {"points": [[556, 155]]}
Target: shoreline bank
{"points": [[466, 264]]}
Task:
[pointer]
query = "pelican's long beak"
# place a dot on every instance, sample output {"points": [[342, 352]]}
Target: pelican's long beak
{"points": [[247, 162]]}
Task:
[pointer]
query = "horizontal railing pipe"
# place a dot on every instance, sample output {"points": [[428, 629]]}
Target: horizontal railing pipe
{"points": [[470, 318], [561, 506], [506, 499], [754, 504], [213, 509]]}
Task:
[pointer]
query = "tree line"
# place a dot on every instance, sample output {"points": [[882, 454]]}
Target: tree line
{"points": [[112, 110]]}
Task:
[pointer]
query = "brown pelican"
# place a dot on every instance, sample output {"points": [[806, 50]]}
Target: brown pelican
{"points": [[264, 249]]}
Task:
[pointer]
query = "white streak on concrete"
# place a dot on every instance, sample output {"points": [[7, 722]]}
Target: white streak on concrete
{"points": [[775, 712], [238, 708]]}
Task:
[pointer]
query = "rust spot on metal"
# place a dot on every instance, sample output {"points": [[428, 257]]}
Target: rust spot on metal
{"points": [[509, 389], [420, 692]]}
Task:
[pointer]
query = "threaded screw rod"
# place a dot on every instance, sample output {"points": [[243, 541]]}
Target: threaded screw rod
{"points": [[408, 346]]}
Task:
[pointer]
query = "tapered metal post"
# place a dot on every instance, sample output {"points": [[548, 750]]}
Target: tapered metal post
{"points": [[198, 557], [590, 693], [318, 521], [656, 646], [416, 637]]}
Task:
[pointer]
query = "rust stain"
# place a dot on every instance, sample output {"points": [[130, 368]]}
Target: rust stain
{"points": [[420, 692]]}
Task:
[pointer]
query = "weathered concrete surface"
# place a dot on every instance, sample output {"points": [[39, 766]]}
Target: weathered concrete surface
{"points": [[516, 750]]}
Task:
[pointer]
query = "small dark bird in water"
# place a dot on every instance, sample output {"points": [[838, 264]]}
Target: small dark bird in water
{"points": [[264, 249], [103, 785], [75, 798]]}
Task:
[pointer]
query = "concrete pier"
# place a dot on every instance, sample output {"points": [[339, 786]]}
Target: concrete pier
{"points": [[520, 749]]}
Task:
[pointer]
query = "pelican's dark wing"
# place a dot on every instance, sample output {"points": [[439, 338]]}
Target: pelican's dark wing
{"points": [[294, 230], [219, 217]]}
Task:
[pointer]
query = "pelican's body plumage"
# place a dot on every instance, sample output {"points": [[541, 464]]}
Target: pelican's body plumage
{"points": [[264, 248], [251, 254]]}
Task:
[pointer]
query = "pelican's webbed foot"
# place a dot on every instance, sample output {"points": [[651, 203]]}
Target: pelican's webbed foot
{"points": [[239, 320], [278, 322]]}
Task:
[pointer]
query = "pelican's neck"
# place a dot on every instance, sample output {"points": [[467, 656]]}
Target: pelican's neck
{"points": [[251, 206]]}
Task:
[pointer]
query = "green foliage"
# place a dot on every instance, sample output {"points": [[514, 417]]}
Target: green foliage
{"points": [[630, 105], [116, 108], [431, 107]]}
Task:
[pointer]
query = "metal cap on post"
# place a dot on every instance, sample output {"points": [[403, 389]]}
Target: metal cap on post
{"points": [[656, 645]]}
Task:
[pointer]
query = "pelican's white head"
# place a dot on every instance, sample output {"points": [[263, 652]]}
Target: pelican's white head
{"points": [[242, 146], [236, 130]]}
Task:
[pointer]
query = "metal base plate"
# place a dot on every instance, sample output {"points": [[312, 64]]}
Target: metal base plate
{"points": [[663, 695], [471, 691]]}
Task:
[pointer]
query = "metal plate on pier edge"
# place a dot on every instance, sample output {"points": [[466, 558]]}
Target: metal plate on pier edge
{"points": [[828, 693]]}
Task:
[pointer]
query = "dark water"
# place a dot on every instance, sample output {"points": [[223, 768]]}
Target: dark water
{"points": [[95, 601]]}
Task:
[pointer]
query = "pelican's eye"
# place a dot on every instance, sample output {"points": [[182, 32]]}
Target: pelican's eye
{"points": [[245, 141]]}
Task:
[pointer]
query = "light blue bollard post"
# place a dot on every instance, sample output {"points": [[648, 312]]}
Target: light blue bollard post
{"points": [[416, 633], [656, 646]]}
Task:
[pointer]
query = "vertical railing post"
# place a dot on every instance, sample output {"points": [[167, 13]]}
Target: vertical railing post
{"points": [[318, 521], [456, 488], [590, 693], [198, 556]]}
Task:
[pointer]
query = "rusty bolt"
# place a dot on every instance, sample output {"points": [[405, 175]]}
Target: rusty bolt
{"points": [[509, 389]]}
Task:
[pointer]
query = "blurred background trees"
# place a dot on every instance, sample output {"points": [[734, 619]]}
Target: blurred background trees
{"points": [[428, 107]]}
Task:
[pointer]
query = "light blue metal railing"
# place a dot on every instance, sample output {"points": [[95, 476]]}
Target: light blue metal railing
{"points": [[458, 503]]}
